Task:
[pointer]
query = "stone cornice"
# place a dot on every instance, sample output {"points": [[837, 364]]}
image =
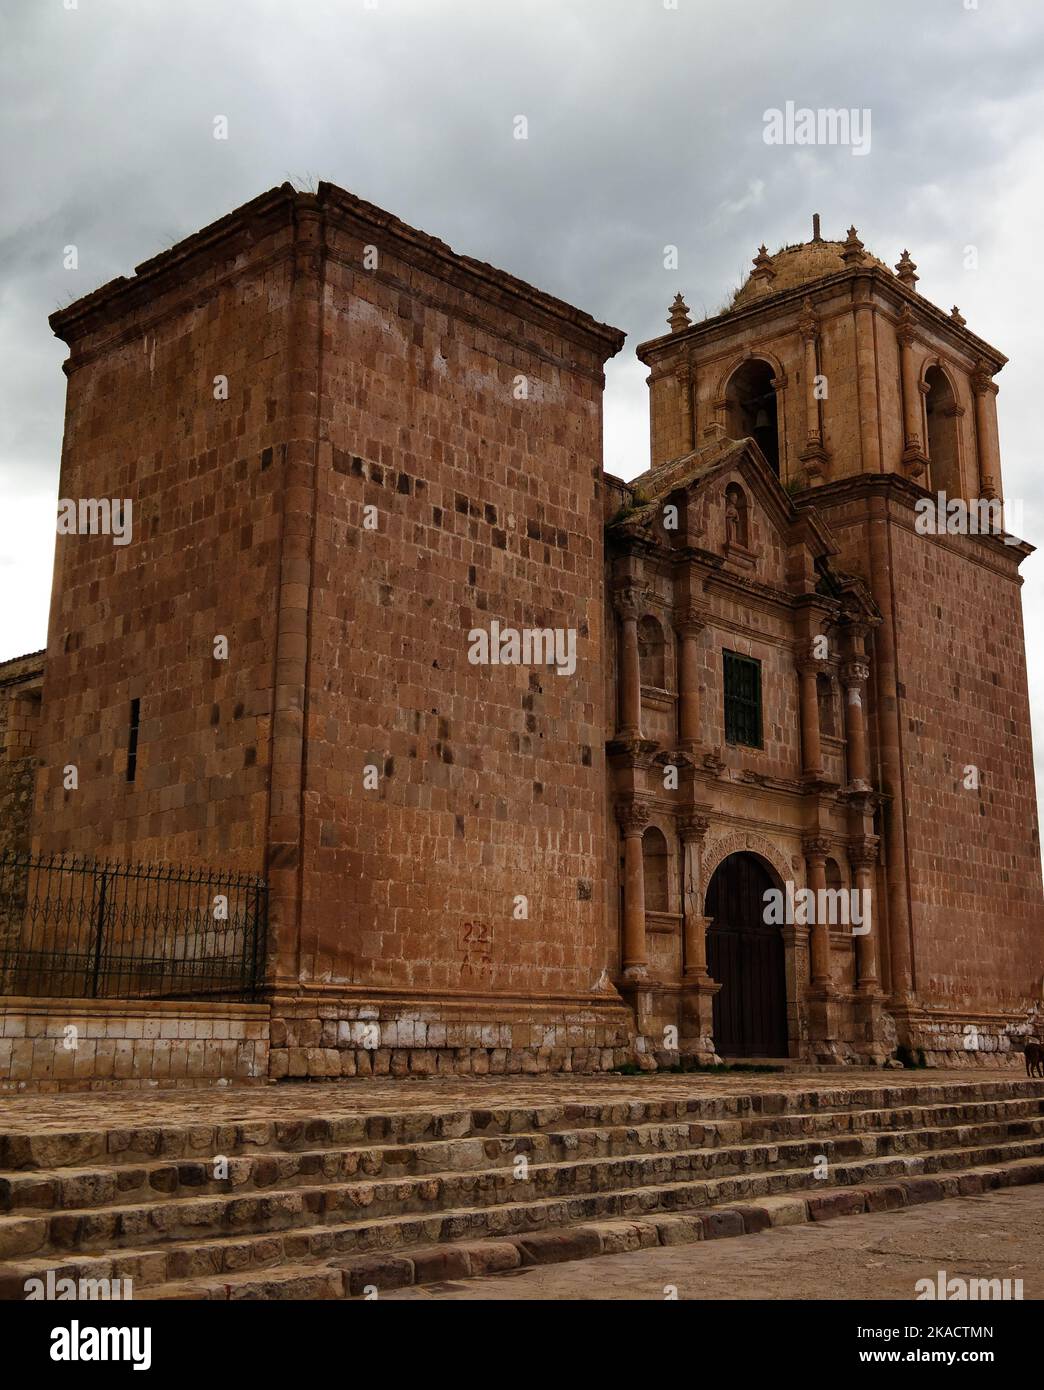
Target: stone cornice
{"points": [[478, 277], [213, 244], [239, 230], [897, 489], [862, 278]]}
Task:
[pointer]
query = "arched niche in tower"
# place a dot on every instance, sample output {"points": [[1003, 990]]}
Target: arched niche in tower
{"points": [[652, 653], [941, 411], [656, 867], [825, 698], [751, 408]]}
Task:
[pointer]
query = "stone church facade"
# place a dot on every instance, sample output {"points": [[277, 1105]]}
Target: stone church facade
{"points": [[350, 450]]}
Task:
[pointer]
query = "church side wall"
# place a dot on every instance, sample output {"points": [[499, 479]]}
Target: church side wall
{"points": [[145, 422], [975, 874], [453, 883]]}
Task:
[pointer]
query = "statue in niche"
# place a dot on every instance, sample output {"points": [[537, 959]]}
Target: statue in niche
{"points": [[736, 534], [731, 522]]}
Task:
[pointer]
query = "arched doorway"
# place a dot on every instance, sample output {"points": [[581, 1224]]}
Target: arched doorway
{"points": [[745, 956]]}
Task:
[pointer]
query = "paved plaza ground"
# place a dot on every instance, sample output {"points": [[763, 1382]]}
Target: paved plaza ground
{"points": [[34, 1113]]}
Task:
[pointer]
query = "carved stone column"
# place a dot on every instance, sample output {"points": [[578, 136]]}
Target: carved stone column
{"points": [[988, 444], [914, 459], [699, 989], [689, 624], [862, 855], [866, 370], [823, 1007], [693, 829], [633, 817], [889, 714], [854, 675], [811, 749], [627, 602], [779, 388], [814, 456], [683, 376], [815, 849], [873, 1041]]}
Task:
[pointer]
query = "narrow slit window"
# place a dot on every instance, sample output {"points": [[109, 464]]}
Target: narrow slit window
{"points": [[132, 740], [742, 681]]}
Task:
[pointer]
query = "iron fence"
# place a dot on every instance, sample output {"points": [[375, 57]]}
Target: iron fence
{"points": [[87, 929]]}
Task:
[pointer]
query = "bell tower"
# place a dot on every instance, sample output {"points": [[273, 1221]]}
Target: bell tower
{"points": [[877, 410], [841, 366]]}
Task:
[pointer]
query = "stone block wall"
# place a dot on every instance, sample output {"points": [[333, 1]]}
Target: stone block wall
{"points": [[346, 447], [436, 1038], [21, 681], [972, 865], [104, 1044], [974, 855], [177, 401], [452, 839]]}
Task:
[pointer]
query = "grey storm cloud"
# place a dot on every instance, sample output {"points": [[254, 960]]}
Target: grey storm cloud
{"points": [[645, 130]]}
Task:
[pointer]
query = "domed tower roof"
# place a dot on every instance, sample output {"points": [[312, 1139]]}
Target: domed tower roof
{"points": [[801, 264]]}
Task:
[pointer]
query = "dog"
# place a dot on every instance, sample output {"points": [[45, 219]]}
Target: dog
{"points": [[1034, 1058]]}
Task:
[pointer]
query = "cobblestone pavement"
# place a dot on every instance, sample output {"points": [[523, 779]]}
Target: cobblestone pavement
{"points": [[1000, 1236], [95, 1109]]}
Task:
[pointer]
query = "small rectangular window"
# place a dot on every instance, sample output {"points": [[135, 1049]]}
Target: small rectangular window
{"points": [[132, 740], [742, 682]]}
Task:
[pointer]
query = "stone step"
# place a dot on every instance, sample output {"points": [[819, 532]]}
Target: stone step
{"points": [[99, 1186], [428, 1199], [54, 1148], [891, 1131], [324, 1205], [370, 1274], [298, 1283], [311, 1263]]}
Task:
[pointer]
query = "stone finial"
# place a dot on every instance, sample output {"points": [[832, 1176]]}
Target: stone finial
{"points": [[852, 251], [679, 315], [763, 271], [906, 271], [957, 316]]}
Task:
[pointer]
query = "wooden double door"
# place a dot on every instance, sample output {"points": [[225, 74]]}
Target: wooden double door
{"points": [[745, 956]]}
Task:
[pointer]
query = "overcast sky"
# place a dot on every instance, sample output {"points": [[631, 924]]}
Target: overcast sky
{"points": [[645, 129]]}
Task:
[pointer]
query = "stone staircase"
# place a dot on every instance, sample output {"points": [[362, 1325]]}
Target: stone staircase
{"points": [[327, 1205]]}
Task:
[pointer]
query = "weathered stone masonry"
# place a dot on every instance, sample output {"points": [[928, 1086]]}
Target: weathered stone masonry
{"points": [[900, 759], [21, 682], [349, 447], [463, 409]]}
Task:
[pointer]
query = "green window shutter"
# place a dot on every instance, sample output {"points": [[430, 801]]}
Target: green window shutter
{"points": [[742, 683]]}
